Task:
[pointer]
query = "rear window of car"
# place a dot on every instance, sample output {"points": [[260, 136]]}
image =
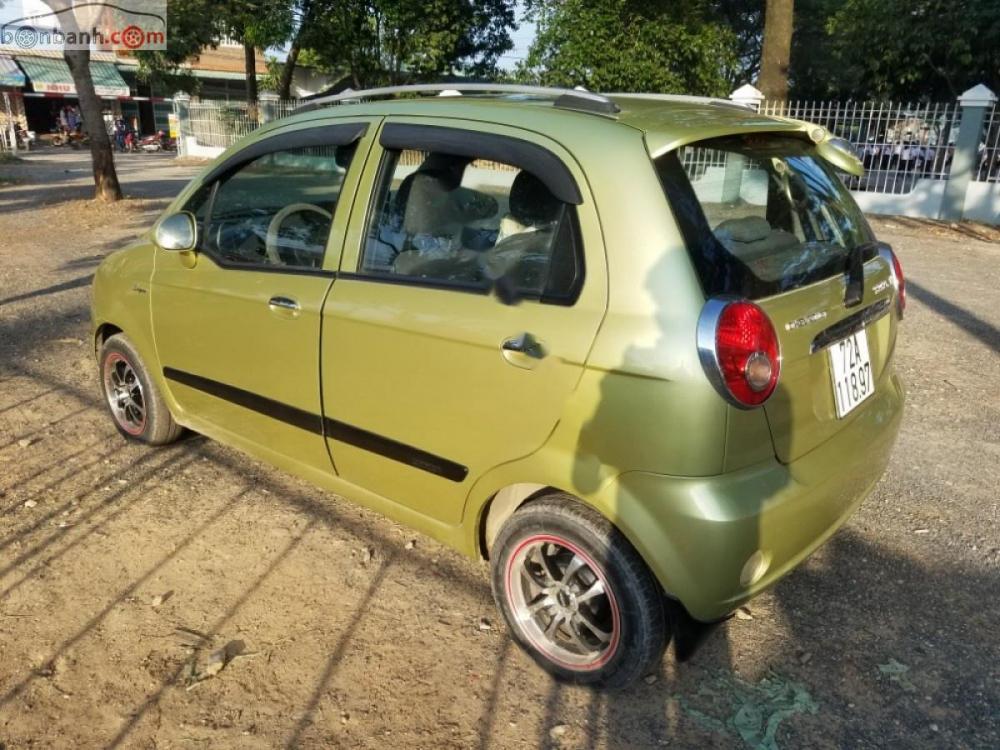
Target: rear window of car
{"points": [[761, 214]]}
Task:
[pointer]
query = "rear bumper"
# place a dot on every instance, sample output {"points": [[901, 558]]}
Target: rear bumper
{"points": [[715, 542]]}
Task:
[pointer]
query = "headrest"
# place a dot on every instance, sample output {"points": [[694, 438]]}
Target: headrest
{"points": [[428, 205], [446, 166], [531, 203], [746, 229]]}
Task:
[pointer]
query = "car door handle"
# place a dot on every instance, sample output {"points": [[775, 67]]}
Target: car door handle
{"points": [[285, 305], [517, 348]]}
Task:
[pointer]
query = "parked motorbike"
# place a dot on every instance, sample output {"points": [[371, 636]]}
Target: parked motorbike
{"points": [[158, 141], [72, 138], [25, 138]]}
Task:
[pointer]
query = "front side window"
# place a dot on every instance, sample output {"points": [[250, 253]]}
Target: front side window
{"points": [[468, 222], [762, 214], [274, 212]]}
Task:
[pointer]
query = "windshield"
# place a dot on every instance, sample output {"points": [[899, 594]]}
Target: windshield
{"points": [[761, 214]]}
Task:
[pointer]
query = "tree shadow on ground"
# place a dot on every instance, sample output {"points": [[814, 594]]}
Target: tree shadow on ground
{"points": [[963, 228], [54, 289], [968, 321], [858, 605]]}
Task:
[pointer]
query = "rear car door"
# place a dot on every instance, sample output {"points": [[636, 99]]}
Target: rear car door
{"points": [[428, 379], [237, 323]]}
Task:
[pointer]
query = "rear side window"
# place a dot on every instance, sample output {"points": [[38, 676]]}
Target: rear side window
{"points": [[275, 211], [461, 221], [761, 214]]}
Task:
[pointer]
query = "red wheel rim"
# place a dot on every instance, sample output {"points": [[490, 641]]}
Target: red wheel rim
{"points": [[563, 603]]}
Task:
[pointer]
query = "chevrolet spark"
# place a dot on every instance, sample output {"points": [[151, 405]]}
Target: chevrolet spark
{"points": [[628, 349]]}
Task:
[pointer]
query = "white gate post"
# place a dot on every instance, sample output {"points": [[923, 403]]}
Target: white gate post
{"points": [[268, 102], [965, 161], [732, 180], [11, 123], [182, 104], [748, 96]]}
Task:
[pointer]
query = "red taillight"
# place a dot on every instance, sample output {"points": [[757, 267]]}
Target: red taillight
{"points": [[739, 351], [897, 271]]}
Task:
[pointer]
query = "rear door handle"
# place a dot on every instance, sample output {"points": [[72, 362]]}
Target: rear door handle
{"points": [[284, 305], [523, 350]]}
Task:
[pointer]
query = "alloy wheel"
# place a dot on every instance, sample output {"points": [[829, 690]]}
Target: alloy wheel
{"points": [[562, 601], [124, 393]]}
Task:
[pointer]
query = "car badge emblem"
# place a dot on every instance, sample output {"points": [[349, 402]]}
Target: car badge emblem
{"points": [[802, 322], [881, 286]]}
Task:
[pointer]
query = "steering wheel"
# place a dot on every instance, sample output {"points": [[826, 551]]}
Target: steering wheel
{"points": [[271, 241]]}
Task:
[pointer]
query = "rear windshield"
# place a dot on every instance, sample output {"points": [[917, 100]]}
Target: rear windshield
{"points": [[761, 214]]}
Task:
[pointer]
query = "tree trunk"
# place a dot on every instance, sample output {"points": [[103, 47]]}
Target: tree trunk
{"points": [[250, 56], [102, 157], [773, 81], [287, 71]]}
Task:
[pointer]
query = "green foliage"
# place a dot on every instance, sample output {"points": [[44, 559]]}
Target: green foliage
{"points": [[745, 19], [391, 41], [197, 24], [269, 81], [258, 22], [191, 27], [896, 49], [629, 45]]}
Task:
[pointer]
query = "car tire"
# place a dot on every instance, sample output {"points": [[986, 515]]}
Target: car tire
{"points": [[136, 406], [612, 626]]}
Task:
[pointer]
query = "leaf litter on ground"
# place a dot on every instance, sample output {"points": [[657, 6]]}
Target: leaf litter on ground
{"points": [[728, 705], [897, 672], [215, 663]]}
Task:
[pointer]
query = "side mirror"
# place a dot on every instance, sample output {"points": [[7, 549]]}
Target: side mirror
{"points": [[177, 232]]}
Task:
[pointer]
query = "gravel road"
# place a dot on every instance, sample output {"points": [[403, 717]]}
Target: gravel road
{"points": [[123, 568]]}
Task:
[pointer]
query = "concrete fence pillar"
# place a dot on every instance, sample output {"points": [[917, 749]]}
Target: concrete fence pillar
{"points": [[268, 102], [732, 180], [182, 108], [965, 161]]}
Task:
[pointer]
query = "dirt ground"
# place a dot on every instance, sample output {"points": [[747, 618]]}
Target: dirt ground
{"points": [[342, 633]]}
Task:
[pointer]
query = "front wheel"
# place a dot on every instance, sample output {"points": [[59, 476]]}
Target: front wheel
{"points": [[576, 595], [136, 407]]}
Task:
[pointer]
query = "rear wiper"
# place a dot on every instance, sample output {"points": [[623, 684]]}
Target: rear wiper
{"points": [[855, 292]]}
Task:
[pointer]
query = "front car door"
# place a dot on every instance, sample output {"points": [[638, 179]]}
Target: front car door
{"points": [[237, 323], [428, 379]]}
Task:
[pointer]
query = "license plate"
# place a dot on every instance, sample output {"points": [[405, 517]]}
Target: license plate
{"points": [[851, 369]]}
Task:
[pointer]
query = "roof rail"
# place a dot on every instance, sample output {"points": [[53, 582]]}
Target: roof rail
{"points": [[564, 98], [684, 99]]}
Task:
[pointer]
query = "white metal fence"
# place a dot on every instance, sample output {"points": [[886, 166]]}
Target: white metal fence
{"points": [[898, 143], [217, 125], [908, 149], [989, 149]]}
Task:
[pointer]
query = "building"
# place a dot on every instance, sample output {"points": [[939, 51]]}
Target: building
{"points": [[36, 84], [11, 102]]}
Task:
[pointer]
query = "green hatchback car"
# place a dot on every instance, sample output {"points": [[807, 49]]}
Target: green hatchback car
{"points": [[627, 348]]}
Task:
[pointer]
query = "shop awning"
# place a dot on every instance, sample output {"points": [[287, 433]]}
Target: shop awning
{"points": [[10, 74], [50, 75]]}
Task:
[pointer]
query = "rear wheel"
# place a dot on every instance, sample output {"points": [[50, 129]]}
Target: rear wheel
{"points": [[576, 595], [136, 407]]}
